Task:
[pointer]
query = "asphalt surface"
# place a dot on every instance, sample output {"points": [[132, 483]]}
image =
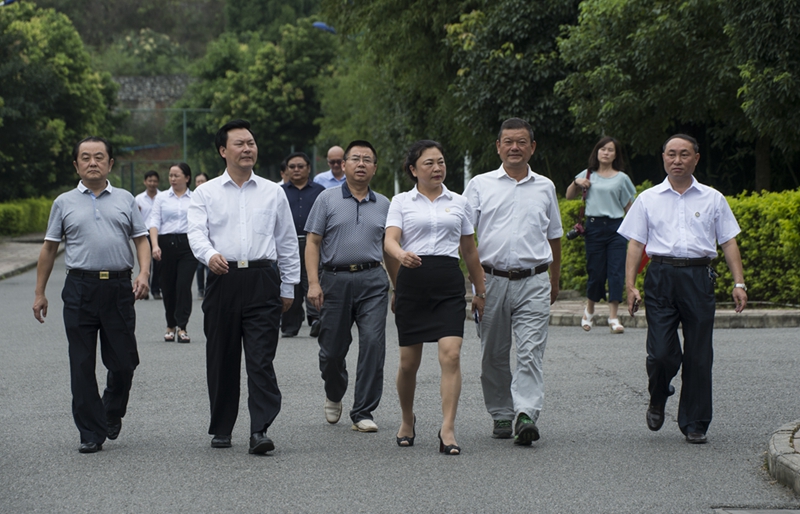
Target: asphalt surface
{"points": [[595, 455]]}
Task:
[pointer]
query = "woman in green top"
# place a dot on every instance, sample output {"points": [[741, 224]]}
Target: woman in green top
{"points": [[610, 193]]}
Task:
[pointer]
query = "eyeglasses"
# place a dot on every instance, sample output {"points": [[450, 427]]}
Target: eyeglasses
{"points": [[335, 162], [355, 159], [296, 166]]}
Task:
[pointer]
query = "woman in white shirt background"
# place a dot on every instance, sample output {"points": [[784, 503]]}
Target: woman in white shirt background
{"points": [[425, 228], [168, 226]]}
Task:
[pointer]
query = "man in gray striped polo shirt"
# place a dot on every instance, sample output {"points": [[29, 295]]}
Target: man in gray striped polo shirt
{"points": [[345, 231], [98, 221]]}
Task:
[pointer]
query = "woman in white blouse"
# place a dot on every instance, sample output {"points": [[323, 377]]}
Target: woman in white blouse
{"points": [[168, 226], [425, 229]]}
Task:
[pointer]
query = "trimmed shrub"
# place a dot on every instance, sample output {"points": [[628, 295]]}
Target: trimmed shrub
{"points": [[24, 216]]}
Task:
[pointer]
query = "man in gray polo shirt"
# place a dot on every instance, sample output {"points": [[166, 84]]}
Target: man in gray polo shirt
{"points": [[345, 229], [98, 222]]}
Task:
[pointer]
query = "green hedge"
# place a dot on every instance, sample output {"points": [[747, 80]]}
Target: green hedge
{"points": [[24, 216], [769, 243]]}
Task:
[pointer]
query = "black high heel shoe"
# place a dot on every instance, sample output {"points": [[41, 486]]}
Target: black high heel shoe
{"points": [[409, 441], [448, 449]]}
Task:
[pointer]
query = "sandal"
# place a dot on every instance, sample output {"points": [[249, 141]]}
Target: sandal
{"points": [[587, 321], [616, 326], [406, 441], [183, 337], [169, 336]]}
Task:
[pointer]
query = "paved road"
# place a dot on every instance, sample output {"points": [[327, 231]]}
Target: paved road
{"points": [[595, 455]]}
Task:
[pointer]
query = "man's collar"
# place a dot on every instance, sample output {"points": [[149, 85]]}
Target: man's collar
{"points": [[347, 194], [226, 177], [83, 189], [666, 185], [502, 173]]}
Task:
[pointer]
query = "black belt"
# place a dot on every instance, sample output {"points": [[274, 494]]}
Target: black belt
{"points": [[264, 263], [516, 274], [352, 267], [102, 275], [680, 262]]}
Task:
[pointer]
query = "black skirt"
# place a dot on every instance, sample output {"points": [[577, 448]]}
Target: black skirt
{"points": [[429, 301]]}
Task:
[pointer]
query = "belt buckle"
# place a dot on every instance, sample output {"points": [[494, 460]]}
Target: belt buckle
{"points": [[514, 274], [244, 263], [103, 275], [680, 263], [353, 268]]}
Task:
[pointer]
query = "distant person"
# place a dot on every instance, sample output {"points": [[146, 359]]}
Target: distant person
{"points": [[334, 176], [425, 229], [345, 232], [681, 221], [609, 195], [202, 269], [145, 201], [519, 239], [97, 222], [284, 175], [301, 193], [240, 226], [168, 226]]}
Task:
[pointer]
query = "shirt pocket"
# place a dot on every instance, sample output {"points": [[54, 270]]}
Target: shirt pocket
{"points": [[701, 223], [263, 221]]}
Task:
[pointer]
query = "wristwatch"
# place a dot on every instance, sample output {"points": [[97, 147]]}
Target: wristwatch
{"points": [[481, 295], [740, 285]]}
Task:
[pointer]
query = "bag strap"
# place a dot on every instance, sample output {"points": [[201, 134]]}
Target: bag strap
{"points": [[581, 213]]}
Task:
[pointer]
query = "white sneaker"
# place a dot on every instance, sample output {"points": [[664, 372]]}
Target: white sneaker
{"points": [[333, 411], [365, 425]]}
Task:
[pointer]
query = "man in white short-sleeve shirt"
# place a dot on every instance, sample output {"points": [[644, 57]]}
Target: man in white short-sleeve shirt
{"points": [[519, 238], [680, 221]]}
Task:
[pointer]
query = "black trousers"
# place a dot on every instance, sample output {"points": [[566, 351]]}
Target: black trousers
{"points": [[242, 310], [292, 319], [681, 295], [92, 305], [155, 274], [178, 266]]}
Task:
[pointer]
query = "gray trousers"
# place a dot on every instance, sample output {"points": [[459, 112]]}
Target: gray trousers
{"points": [[520, 308], [360, 297]]}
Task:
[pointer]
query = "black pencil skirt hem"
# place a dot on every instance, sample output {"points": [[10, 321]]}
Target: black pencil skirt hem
{"points": [[429, 301]]}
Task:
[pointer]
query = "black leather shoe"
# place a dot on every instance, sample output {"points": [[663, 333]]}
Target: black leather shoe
{"points": [[696, 438], [221, 441], [90, 448], [114, 426], [655, 417], [289, 334], [260, 443], [314, 329]]}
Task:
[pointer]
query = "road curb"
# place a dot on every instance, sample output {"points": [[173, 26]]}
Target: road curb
{"points": [[783, 459]]}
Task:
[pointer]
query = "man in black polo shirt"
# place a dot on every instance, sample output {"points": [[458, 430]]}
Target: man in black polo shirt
{"points": [[301, 194]]}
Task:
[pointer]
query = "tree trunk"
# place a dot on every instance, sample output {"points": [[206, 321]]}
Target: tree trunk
{"points": [[763, 170]]}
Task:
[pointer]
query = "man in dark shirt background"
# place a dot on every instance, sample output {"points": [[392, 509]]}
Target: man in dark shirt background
{"points": [[301, 193]]}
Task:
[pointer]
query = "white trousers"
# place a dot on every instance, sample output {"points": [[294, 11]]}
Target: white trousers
{"points": [[520, 308]]}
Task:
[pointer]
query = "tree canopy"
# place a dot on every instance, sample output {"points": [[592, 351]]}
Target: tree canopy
{"points": [[50, 98]]}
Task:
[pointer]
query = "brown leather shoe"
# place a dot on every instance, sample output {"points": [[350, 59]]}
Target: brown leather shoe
{"points": [[696, 438], [655, 416]]}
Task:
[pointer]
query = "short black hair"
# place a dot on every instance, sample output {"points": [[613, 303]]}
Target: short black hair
{"points": [[298, 154], [685, 137], [187, 171], [362, 143], [151, 173], [221, 139], [415, 152], [515, 124], [201, 174], [92, 139]]}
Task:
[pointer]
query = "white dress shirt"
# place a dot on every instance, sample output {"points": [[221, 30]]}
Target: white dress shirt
{"points": [[431, 228], [250, 223], [514, 219], [145, 204], [684, 225], [168, 214]]}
